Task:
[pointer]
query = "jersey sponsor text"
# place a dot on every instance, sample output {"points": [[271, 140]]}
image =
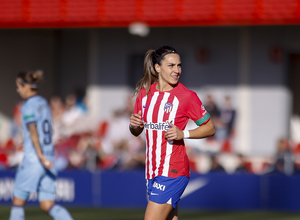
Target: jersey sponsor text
{"points": [[162, 126]]}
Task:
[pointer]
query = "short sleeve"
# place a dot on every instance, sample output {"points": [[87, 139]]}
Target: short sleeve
{"points": [[138, 103], [196, 110], [28, 115]]}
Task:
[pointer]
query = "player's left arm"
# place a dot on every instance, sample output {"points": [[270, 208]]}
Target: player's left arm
{"points": [[196, 111], [206, 130], [203, 131], [34, 136]]}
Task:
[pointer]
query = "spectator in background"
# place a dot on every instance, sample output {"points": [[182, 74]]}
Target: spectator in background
{"points": [[76, 118], [241, 168], [227, 115], [129, 106], [57, 111], [223, 118], [211, 107], [216, 167], [126, 150], [284, 158], [284, 162], [80, 99], [16, 133], [14, 146], [79, 151], [72, 110]]}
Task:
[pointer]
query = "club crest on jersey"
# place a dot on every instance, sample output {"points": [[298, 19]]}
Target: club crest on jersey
{"points": [[168, 107]]}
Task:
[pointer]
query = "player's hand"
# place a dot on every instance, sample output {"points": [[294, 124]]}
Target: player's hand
{"points": [[46, 163], [136, 120], [174, 133]]}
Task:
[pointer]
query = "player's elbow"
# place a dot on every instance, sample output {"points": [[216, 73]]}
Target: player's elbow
{"points": [[212, 131]]}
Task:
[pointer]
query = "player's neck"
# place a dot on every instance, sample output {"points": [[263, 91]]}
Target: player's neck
{"points": [[30, 94], [163, 87]]}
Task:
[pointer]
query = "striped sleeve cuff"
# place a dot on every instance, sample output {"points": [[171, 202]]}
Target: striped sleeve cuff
{"points": [[203, 120]]}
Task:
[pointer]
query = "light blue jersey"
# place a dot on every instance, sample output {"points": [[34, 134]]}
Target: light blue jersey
{"points": [[32, 176], [36, 110]]}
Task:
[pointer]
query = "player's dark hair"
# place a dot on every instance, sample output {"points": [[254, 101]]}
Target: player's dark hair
{"points": [[150, 75], [32, 78]]}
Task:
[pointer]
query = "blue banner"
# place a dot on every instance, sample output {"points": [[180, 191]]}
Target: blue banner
{"points": [[127, 189], [222, 191]]}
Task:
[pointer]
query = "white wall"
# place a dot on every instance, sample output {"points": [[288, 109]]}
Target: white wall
{"points": [[103, 101], [270, 116]]}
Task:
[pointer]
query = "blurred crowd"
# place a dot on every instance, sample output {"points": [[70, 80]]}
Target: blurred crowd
{"points": [[219, 153], [83, 143], [80, 141]]}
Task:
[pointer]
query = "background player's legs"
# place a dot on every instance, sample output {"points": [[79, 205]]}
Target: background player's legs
{"points": [[59, 213], [18, 201], [173, 214], [17, 210], [47, 204], [160, 211]]}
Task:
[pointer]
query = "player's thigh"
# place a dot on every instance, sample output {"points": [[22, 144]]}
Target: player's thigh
{"points": [[18, 201], [155, 211]]}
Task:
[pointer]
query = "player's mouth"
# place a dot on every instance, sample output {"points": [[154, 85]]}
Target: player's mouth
{"points": [[176, 77]]}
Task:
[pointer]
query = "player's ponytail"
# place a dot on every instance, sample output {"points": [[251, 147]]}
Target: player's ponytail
{"points": [[150, 75], [152, 57], [32, 78]]}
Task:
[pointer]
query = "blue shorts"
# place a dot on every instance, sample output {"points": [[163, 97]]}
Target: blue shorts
{"points": [[33, 177], [163, 189]]}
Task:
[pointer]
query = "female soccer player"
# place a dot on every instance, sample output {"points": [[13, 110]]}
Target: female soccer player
{"points": [[36, 173], [163, 107]]}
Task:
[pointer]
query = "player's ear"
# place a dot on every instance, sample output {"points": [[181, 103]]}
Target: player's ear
{"points": [[157, 67]]}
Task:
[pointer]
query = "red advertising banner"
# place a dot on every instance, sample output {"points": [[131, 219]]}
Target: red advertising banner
{"points": [[121, 13]]}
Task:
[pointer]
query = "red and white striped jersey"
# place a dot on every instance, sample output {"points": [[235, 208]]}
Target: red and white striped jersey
{"points": [[177, 106]]}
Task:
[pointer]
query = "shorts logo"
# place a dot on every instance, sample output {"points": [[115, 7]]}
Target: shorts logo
{"points": [[168, 107], [159, 186]]}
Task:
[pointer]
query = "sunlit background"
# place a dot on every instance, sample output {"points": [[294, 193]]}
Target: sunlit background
{"points": [[242, 57]]}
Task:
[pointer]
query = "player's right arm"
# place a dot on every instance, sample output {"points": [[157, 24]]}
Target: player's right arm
{"points": [[34, 136], [136, 124]]}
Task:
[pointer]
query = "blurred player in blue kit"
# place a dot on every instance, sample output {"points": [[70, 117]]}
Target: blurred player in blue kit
{"points": [[37, 172]]}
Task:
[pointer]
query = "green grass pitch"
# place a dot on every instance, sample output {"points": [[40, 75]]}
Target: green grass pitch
{"points": [[34, 213]]}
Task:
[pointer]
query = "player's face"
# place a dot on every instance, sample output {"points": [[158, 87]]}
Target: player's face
{"points": [[21, 89], [170, 69]]}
